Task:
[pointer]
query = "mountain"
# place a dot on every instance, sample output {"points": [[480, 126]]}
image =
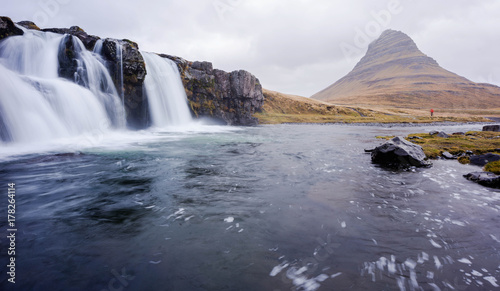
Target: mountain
{"points": [[394, 72]]}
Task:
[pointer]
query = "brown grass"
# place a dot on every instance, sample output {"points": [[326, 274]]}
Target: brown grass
{"points": [[283, 108]]}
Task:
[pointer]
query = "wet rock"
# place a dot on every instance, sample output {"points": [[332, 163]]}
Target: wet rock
{"points": [[487, 179], [481, 160], [491, 128], [230, 97], [134, 73], [8, 28], [88, 40], [399, 153], [448, 156]]}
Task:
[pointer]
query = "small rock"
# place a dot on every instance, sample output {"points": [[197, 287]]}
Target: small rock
{"points": [[369, 150], [415, 137], [433, 132], [458, 133], [448, 156], [442, 134], [491, 128], [481, 160], [487, 179]]}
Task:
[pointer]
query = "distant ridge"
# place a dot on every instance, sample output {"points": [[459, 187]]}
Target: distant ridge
{"points": [[394, 72]]}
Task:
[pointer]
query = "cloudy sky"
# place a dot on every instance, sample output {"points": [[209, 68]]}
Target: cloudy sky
{"points": [[292, 46]]}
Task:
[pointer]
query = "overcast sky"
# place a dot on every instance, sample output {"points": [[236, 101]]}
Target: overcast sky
{"points": [[293, 46]]}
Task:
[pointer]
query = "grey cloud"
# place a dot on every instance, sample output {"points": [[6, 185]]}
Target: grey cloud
{"points": [[291, 46]]}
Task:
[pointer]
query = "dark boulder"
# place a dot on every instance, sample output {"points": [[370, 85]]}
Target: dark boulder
{"points": [[399, 153], [134, 73], [8, 28], [491, 128], [487, 179], [231, 97], [481, 160], [88, 40]]}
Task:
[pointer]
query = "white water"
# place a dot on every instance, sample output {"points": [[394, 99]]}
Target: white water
{"points": [[166, 95], [36, 105]]}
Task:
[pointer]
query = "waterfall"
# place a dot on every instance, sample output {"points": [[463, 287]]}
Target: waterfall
{"points": [[166, 95], [119, 56], [37, 105]]}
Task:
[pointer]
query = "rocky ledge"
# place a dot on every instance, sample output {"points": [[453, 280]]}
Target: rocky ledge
{"points": [[231, 97]]}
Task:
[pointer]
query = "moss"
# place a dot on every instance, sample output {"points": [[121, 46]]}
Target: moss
{"points": [[493, 167], [464, 160], [476, 141]]}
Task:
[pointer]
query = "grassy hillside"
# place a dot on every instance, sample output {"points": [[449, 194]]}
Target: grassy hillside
{"points": [[283, 108]]}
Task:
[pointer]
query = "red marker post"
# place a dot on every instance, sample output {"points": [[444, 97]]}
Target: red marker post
{"points": [[432, 112]]}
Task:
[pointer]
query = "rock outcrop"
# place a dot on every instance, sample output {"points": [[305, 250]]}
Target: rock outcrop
{"points": [[28, 25], [134, 73], [88, 40], [231, 97], [486, 179], [399, 153], [8, 28]]}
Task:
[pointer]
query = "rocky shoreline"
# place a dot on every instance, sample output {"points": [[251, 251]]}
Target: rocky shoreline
{"points": [[479, 148]]}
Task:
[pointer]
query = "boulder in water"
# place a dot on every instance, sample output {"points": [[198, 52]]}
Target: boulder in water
{"points": [[399, 153], [487, 179]]}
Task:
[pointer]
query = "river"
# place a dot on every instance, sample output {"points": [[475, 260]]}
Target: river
{"points": [[278, 207]]}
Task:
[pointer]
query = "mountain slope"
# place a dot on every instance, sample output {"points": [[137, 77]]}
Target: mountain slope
{"points": [[394, 72]]}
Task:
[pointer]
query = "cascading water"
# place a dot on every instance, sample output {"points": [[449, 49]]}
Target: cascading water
{"points": [[37, 105], [93, 74], [119, 56], [166, 95]]}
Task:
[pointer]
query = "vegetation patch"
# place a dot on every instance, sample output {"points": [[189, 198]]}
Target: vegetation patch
{"points": [[474, 142], [493, 167]]}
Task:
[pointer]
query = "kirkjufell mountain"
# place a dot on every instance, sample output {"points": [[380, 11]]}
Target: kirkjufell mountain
{"points": [[394, 72]]}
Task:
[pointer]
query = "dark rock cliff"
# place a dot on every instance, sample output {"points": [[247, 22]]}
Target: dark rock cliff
{"points": [[231, 97], [133, 67]]}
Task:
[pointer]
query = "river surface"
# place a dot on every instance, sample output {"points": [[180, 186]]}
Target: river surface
{"points": [[282, 207]]}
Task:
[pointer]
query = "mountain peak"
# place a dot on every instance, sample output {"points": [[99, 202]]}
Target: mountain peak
{"points": [[394, 72], [393, 45]]}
